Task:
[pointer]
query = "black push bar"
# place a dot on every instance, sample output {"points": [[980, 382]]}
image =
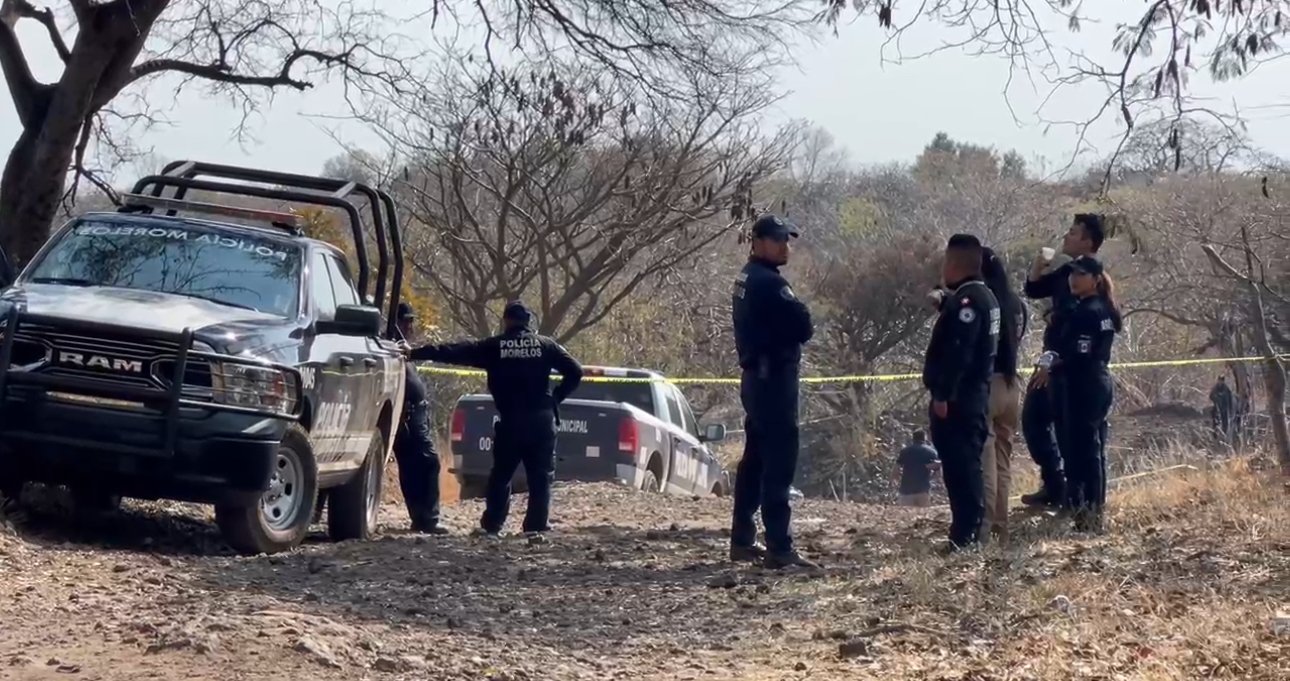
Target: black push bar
{"points": [[171, 396]]}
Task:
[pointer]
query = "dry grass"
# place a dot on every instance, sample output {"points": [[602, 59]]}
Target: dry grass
{"points": [[1183, 585]]}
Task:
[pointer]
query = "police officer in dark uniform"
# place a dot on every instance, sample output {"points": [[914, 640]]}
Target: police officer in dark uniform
{"points": [[414, 444], [1042, 411], [1080, 355], [519, 364], [957, 371], [770, 325]]}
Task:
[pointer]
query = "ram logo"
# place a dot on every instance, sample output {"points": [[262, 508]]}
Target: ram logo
{"points": [[90, 361]]}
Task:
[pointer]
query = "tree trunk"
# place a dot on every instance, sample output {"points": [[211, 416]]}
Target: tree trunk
{"points": [[108, 40]]}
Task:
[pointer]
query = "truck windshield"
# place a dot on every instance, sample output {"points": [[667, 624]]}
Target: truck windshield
{"points": [[232, 269], [638, 395]]}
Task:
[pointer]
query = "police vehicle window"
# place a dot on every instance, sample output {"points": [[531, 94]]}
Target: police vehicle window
{"points": [[320, 287], [228, 268], [687, 414], [340, 282], [673, 409], [639, 395]]}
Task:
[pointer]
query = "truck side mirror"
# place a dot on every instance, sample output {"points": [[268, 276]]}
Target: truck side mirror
{"points": [[714, 432], [353, 320]]}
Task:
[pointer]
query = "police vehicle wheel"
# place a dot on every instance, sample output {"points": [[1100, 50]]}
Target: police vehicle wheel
{"points": [[280, 519], [355, 504], [650, 483]]}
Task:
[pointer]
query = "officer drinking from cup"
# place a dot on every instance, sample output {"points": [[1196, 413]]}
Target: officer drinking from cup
{"points": [[957, 371], [1080, 355], [414, 444], [1042, 411], [770, 325], [519, 363]]}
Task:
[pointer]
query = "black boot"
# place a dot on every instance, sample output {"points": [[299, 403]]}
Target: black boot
{"points": [[753, 553], [1049, 496]]}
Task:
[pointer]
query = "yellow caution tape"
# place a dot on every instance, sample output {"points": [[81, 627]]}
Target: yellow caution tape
{"points": [[873, 378]]}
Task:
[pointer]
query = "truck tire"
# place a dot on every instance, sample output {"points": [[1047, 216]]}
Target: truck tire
{"points": [[279, 520], [650, 483], [355, 505]]}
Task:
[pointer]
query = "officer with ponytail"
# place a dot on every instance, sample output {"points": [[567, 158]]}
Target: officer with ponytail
{"points": [[1080, 355]]}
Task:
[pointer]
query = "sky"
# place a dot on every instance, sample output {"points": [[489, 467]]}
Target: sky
{"points": [[881, 112]]}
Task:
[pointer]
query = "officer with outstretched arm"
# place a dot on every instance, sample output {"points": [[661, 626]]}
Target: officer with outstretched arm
{"points": [[519, 363], [957, 371], [770, 325]]}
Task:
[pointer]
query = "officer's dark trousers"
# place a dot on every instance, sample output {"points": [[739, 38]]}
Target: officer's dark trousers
{"points": [[1089, 394], [524, 438], [765, 473], [959, 439], [1040, 426], [418, 466]]}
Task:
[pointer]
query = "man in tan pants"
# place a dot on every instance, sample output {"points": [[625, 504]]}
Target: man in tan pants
{"points": [[1005, 400]]}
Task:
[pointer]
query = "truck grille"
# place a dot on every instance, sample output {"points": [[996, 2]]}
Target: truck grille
{"points": [[145, 363]]}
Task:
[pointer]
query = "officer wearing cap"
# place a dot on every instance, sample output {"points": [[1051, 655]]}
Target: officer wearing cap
{"points": [[957, 371], [770, 325], [1080, 354], [519, 363], [1042, 411], [414, 444]]}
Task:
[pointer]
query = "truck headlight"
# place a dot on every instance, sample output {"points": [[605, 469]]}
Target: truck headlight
{"points": [[246, 385]]}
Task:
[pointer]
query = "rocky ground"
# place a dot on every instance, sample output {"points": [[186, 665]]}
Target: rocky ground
{"points": [[1186, 585]]}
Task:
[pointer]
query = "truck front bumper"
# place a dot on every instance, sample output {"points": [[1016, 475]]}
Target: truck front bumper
{"points": [[147, 441]]}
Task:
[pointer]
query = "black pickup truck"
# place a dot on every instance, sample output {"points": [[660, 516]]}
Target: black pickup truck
{"points": [[628, 426], [150, 353]]}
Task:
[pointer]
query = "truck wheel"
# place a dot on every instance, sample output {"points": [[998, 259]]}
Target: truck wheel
{"points": [[355, 504], [650, 483], [280, 519]]}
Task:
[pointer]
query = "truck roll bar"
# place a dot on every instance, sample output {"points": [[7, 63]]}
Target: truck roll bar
{"points": [[183, 176]]}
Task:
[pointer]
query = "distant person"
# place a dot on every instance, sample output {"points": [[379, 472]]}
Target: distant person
{"points": [[1005, 398], [414, 444], [1224, 402], [771, 325], [519, 363], [916, 463], [956, 371], [1041, 411], [1081, 355]]}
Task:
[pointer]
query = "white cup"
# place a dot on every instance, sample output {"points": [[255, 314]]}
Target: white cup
{"points": [[1047, 253]]}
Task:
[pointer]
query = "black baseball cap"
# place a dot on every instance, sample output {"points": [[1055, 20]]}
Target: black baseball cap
{"points": [[1087, 264], [770, 226], [516, 311], [406, 311]]}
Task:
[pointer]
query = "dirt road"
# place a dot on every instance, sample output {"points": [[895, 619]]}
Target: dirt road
{"points": [[633, 586]]}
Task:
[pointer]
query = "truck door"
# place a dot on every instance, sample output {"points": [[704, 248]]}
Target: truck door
{"points": [[360, 370], [324, 359], [706, 466], [682, 470]]}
